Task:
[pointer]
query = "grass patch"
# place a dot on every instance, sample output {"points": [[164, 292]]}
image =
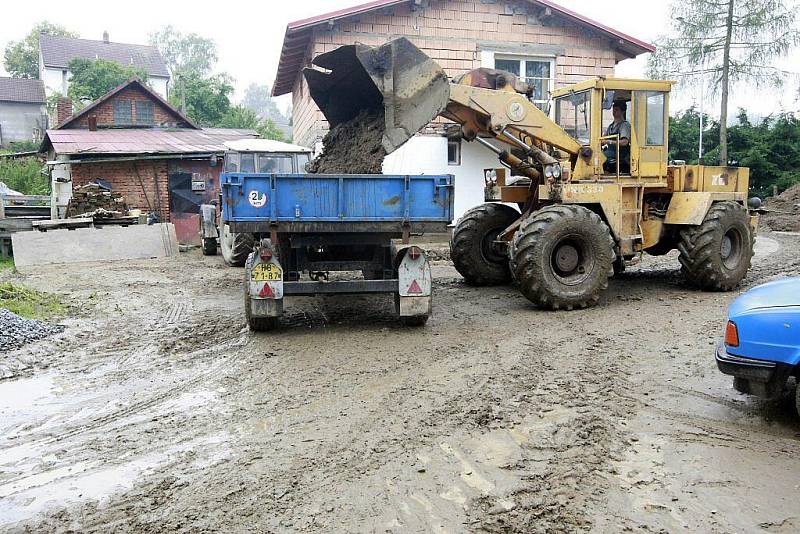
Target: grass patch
{"points": [[7, 263], [29, 303]]}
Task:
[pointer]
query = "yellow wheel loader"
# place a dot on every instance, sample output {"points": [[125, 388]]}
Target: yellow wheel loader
{"points": [[575, 200]]}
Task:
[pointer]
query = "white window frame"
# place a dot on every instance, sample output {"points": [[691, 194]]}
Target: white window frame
{"points": [[456, 144], [551, 60]]}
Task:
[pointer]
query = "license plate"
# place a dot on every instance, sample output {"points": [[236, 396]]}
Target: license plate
{"points": [[266, 272]]}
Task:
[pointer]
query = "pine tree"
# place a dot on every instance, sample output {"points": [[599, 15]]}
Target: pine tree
{"points": [[726, 42]]}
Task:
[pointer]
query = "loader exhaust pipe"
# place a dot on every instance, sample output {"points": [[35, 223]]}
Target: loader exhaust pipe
{"points": [[396, 79]]}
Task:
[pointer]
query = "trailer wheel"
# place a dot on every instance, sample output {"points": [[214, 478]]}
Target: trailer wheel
{"points": [[562, 257], [235, 247], [716, 254], [472, 247], [414, 320], [797, 397], [257, 324], [209, 246]]}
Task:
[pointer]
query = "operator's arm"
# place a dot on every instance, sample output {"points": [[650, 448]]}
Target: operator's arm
{"points": [[624, 134]]}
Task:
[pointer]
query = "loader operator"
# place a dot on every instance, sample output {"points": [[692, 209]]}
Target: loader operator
{"points": [[620, 127]]}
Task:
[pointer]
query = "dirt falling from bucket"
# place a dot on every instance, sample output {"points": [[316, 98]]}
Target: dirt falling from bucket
{"points": [[353, 147]]}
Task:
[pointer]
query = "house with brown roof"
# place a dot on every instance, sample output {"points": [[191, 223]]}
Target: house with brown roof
{"points": [[544, 43], [146, 149], [23, 113], [55, 53]]}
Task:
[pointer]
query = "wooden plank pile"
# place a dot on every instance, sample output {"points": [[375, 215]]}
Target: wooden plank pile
{"points": [[95, 201]]}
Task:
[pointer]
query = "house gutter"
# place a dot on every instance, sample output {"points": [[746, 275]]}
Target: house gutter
{"points": [[137, 158]]}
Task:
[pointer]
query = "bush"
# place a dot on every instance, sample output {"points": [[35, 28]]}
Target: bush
{"points": [[23, 146], [25, 175]]}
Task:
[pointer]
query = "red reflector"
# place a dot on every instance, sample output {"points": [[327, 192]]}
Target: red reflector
{"points": [[266, 254], [414, 253], [266, 292], [731, 335], [414, 288]]}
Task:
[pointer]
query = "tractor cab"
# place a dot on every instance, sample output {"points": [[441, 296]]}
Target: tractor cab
{"points": [[265, 156], [585, 112]]}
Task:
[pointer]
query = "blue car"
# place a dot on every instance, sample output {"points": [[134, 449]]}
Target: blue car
{"points": [[761, 349]]}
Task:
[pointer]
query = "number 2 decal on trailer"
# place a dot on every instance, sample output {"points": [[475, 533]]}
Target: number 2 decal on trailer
{"points": [[257, 199]]}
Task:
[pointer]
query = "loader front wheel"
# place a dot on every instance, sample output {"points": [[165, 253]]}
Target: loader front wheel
{"points": [[716, 254], [562, 257], [235, 247], [473, 250]]}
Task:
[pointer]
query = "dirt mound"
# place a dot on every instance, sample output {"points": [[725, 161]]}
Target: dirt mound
{"points": [[353, 147], [784, 211]]}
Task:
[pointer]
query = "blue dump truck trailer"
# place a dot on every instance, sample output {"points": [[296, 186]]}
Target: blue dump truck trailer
{"points": [[305, 226]]}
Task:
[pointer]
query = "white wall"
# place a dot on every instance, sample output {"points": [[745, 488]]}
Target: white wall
{"points": [[428, 155], [56, 82]]}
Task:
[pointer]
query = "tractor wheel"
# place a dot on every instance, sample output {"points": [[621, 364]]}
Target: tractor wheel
{"points": [[716, 255], [235, 247], [562, 257], [472, 247], [257, 324], [414, 320], [209, 246]]}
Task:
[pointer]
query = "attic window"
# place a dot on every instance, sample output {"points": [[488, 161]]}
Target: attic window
{"points": [[122, 112], [144, 113]]}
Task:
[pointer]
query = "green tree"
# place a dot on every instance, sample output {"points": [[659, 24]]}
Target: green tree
{"points": [[245, 118], [205, 100], [726, 41], [21, 58], [92, 78], [684, 136], [259, 99], [185, 54]]}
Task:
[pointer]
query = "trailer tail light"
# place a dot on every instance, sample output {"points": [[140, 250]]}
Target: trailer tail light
{"points": [[731, 335], [414, 253], [266, 254]]}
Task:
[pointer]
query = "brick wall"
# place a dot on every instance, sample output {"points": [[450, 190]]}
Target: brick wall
{"points": [[454, 33], [105, 112], [149, 194]]}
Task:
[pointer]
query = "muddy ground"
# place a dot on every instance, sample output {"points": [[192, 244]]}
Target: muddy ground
{"points": [[158, 411], [783, 211]]}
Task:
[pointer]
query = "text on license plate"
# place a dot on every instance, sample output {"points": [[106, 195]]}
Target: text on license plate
{"points": [[266, 272]]}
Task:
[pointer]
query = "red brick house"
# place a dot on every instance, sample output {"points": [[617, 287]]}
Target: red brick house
{"points": [[543, 42], [146, 149]]}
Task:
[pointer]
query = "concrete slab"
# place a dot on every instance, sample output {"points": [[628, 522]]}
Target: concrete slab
{"points": [[94, 244]]}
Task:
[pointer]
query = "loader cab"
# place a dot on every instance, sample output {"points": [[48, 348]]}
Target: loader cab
{"points": [[584, 112], [265, 156]]}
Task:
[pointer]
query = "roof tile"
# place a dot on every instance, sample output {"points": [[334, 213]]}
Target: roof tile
{"points": [[22, 90], [58, 51]]}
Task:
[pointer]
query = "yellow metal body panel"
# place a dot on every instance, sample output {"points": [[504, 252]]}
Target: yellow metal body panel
{"points": [[688, 208]]}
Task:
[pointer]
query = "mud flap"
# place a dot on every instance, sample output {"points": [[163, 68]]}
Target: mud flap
{"points": [[208, 221], [264, 282], [414, 296]]}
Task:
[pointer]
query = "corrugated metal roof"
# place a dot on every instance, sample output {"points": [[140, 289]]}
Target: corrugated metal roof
{"points": [[144, 141], [58, 51], [22, 90], [298, 36]]}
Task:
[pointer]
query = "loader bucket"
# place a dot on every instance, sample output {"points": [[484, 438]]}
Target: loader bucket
{"points": [[396, 78]]}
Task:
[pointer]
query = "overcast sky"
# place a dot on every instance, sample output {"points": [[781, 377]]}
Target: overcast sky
{"points": [[249, 34]]}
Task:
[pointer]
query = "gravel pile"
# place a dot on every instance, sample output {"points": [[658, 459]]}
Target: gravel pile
{"points": [[16, 331]]}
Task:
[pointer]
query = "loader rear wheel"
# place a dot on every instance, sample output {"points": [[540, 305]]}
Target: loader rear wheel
{"points": [[562, 257], [235, 247], [209, 246], [472, 248], [797, 397], [716, 254]]}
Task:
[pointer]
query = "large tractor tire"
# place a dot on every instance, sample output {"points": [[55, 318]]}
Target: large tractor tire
{"points": [[472, 247], [716, 254], [562, 257], [235, 247]]}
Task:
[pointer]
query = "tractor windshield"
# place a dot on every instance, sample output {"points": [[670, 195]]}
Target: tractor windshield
{"points": [[574, 115]]}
